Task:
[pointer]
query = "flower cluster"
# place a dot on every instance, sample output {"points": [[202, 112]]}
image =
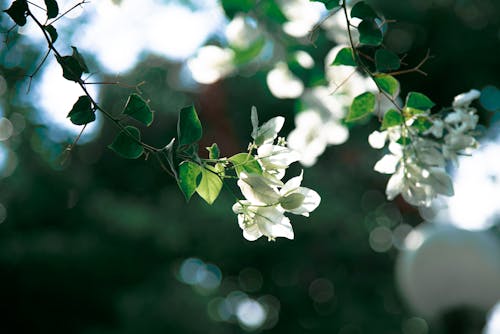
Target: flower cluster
{"points": [[420, 147], [319, 124], [267, 197]]}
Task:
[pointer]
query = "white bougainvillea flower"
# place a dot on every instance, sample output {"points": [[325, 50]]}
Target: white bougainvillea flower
{"points": [[282, 83], [313, 134], [377, 139], [211, 64], [302, 15], [267, 132], [304, 59], [321, 100], [258, 189], [276, 157], [465, 99], [419, 186], [436, 129], [242, 32], [298, 200], [257, 221]]}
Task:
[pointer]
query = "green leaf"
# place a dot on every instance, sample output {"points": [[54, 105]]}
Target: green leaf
{"points": [[189, 129], [345, 57], [52, 32], [392, 118], [422, 124], [189, 178], [82, 112], [370, 33], [80, 60], [210, 184], [213, 151], [363, 11], [232, 7], [243, 56], [273, 11], [386, 61], [361, 106], [138, 109], [329, 4], [73, 66], [52, 8], [244, 162], [18, 11], [124, 144], [388, 84], [418, 101], [490, 98]]}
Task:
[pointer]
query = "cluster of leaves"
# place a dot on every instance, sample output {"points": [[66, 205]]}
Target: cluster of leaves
{"points": [[206, 176]]}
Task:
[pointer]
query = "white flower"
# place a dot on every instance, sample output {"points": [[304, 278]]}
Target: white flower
{"points": [[276, 158], [258, 189], [418, 186], [326, 104], [302, 15], [211, 63], [304, 59], [377, 139], [267, 132], [464, 100], [242, 32], [312, 134], [282, 83], [436, 129], [256, 221], [298, 200]]}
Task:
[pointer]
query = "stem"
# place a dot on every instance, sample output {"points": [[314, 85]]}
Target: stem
{"points": [[82, 84]]}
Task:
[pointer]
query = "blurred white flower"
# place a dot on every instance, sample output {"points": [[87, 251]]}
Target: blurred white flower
{"points": [[242, 32], [304, 59], [335, 28], [302, 15], [282, 83], [312, 135], [211, 63], [346, 80]]}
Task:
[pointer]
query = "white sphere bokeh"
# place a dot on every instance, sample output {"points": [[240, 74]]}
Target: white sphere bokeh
{"points": [[442, 267]]}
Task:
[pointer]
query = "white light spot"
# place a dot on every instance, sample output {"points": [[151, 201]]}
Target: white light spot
{"points": [[414, 240], [250, 313], [475, 205], [380, 239], [189, 270], [6, 129], [493, 323]]}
